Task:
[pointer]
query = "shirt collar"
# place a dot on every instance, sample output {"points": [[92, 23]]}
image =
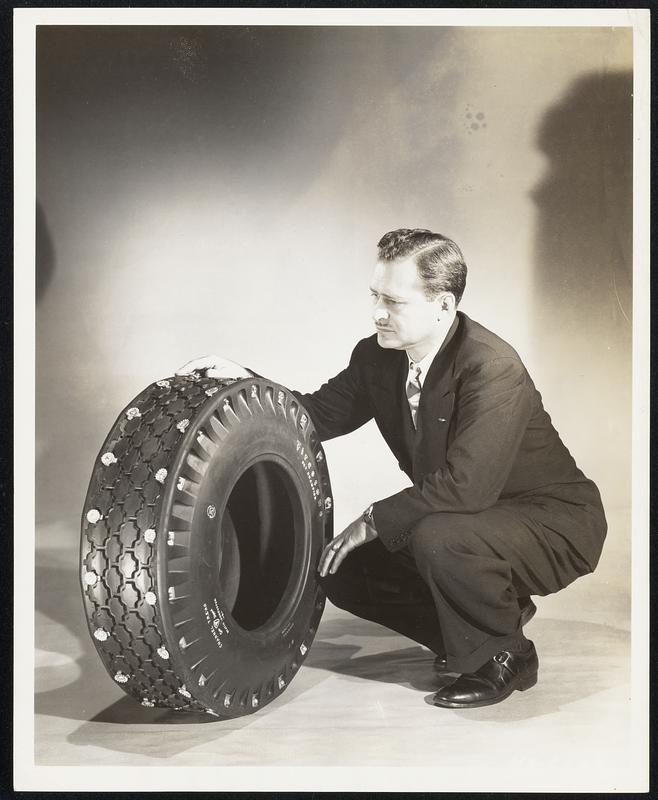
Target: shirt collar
{"points": [[425, 362]]}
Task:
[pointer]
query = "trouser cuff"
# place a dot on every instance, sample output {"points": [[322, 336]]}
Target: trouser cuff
{"points": [[471, 662]]}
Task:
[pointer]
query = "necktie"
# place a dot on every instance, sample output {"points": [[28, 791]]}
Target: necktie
{"points": [[413, 390]]}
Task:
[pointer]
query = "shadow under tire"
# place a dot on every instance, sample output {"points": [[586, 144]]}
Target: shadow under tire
{"points": [[208, 508]]}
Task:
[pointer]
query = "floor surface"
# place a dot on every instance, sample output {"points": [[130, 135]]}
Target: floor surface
{"points": [[358, 701]]}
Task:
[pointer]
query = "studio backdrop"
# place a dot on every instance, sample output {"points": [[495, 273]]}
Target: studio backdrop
{"points": [[222, 190]]}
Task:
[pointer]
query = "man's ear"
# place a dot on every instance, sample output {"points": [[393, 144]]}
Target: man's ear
{"points": [[445, 303]]}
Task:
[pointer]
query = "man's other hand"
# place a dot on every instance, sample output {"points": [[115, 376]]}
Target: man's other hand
{"points": [[356, 534], [215, 367]]}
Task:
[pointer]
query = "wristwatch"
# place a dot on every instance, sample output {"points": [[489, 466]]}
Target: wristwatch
{"points": [[367, 516]]}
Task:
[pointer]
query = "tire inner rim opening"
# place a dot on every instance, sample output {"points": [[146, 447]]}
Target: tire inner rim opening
{"points": [[261, 539]]}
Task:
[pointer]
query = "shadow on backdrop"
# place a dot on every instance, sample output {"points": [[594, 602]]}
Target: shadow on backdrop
{"points": [[583, 250], [44, 254], [582, 308]]}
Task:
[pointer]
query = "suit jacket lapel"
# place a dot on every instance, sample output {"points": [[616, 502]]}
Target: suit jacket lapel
{"points": [[436, 405]]}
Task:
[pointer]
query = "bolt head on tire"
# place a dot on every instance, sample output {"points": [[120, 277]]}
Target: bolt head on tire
{"points": [[208, 508]]}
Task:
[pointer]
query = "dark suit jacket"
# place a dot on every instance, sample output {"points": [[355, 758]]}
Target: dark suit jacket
{"points": [[483, 437]]}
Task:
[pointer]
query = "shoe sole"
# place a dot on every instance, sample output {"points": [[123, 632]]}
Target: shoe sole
{"points": [[526, 682]]}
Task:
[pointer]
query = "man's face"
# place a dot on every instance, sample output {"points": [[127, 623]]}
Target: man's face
{"points": [[404, 317]]}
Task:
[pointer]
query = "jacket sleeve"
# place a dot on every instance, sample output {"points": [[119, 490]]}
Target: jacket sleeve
{"points": [[492, 409], [341, 405]]}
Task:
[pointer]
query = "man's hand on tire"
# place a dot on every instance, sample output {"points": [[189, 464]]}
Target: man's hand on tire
{"points": [[356, 534], [215, 367]]}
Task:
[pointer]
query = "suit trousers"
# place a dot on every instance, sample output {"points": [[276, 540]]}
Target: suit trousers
{"points": [[458, 585]]}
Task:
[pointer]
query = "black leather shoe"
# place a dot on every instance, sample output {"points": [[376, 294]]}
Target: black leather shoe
{"points": [[493, 682]]}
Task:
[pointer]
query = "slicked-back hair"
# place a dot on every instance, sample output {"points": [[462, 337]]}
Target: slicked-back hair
{"points": [[439, 260]]}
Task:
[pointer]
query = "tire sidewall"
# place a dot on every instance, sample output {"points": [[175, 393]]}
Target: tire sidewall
{"points": [[261, 662]]}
